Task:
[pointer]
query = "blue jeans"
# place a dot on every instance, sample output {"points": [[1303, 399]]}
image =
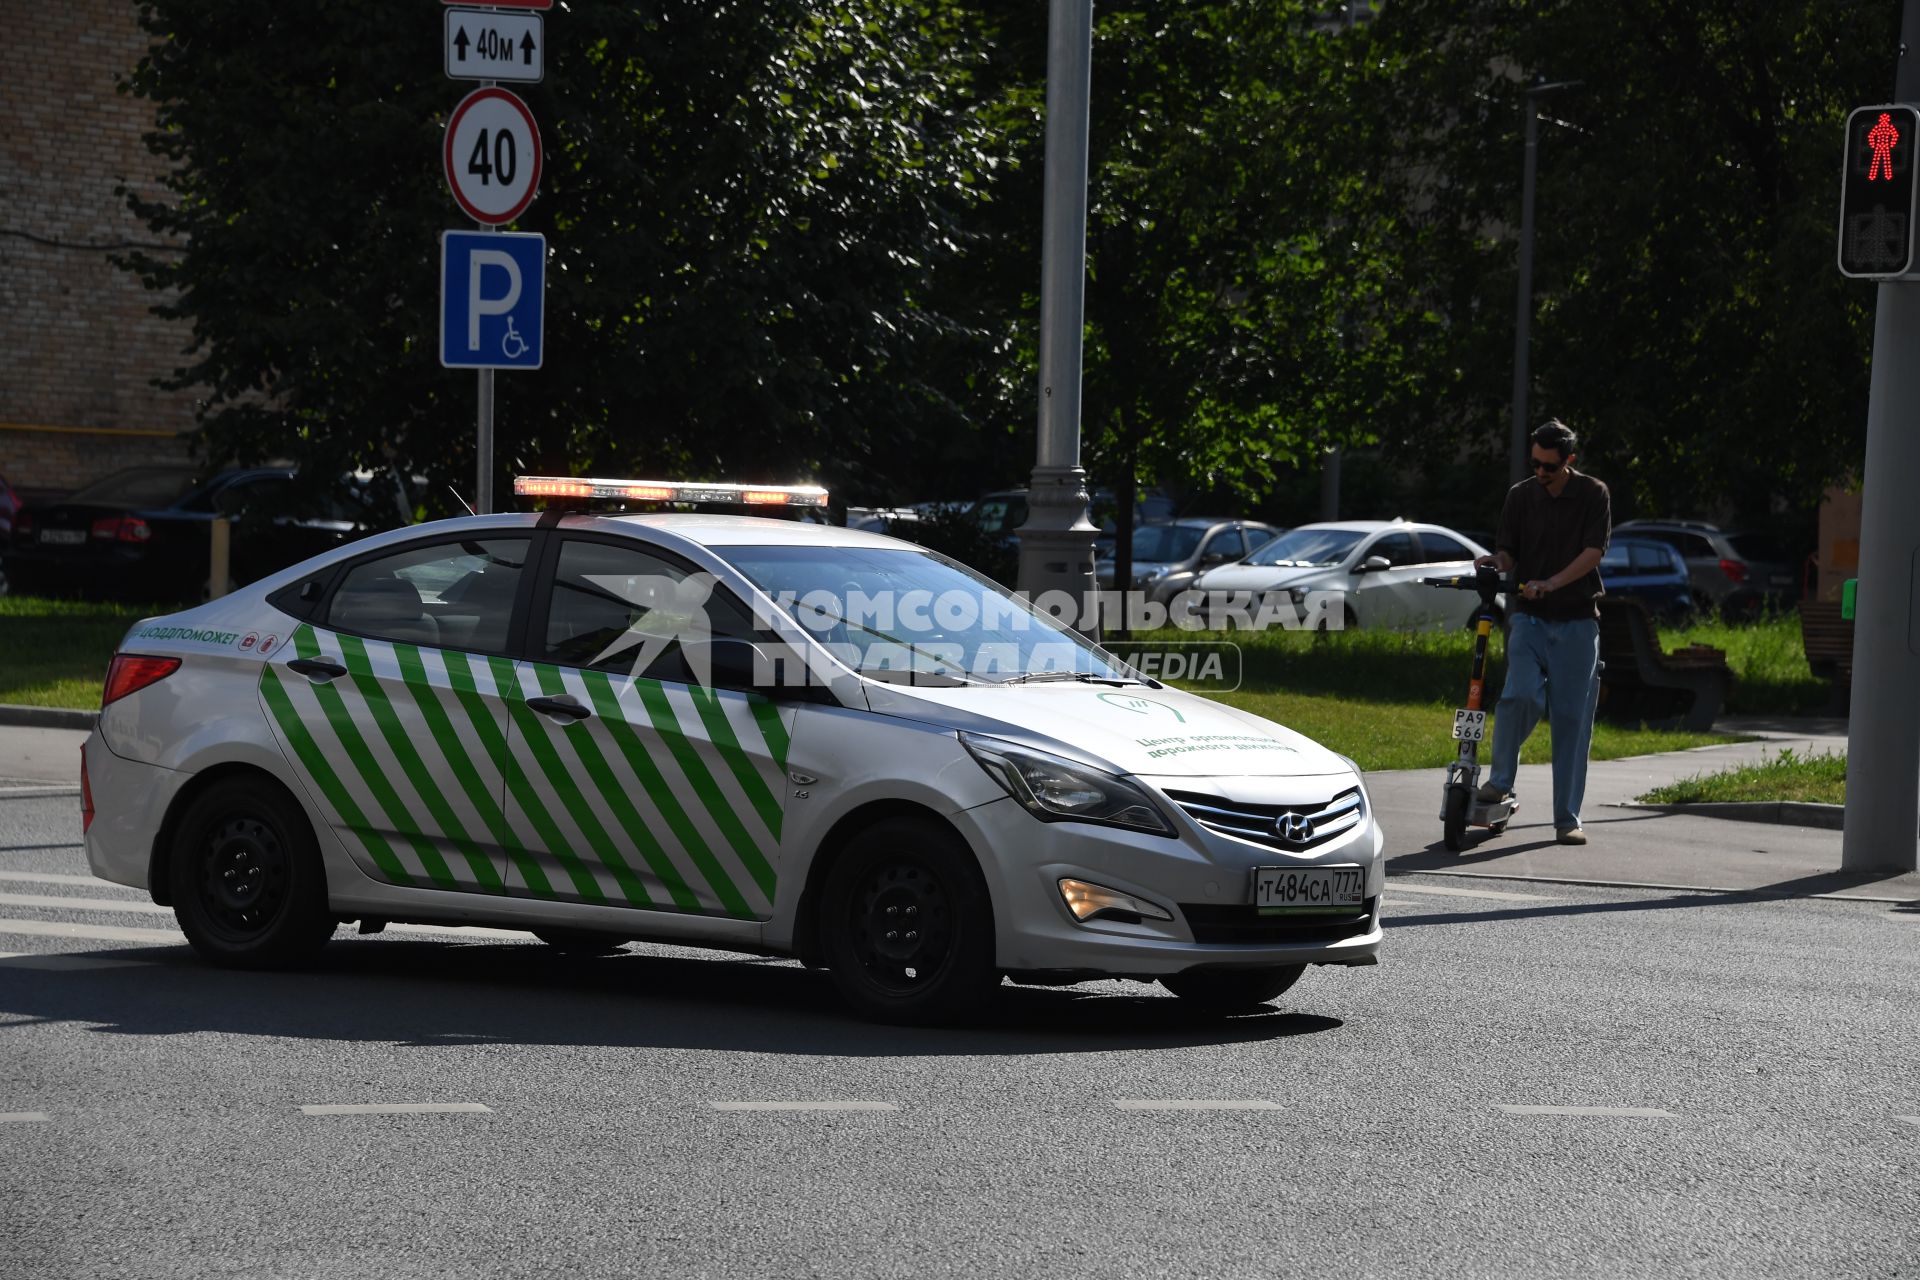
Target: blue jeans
{"points": [[1552, 668]]}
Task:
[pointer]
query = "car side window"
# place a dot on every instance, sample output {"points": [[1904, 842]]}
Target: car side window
{"points": [[1695, 547], [624, 610], [1397, 548], [1439, 548], [1652, 559], [1225, 544], [1257, 537], [450, 595]]}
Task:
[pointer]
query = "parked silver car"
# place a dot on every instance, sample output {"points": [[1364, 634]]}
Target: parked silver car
{"points": [[1168, 557]]}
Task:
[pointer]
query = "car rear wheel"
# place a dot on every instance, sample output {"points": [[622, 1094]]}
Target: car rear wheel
{"points": [[580, 942], [248, 887], [907, 925], [1229, 990]]}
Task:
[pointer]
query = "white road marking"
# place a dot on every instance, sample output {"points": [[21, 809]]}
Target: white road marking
{"points": [[96, 932], [1651, 1113], [51, 877], [1394, 886], [459, 931], [55, 903], [1909, 1119], [395, 1108], [24, 1117], [1195, 1104], [804, 1106]]}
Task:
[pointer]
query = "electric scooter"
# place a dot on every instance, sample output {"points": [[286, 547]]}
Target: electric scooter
{"points": [[1459, 809]]}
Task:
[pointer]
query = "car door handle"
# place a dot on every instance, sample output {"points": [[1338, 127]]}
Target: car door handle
{"points": [[317, 668], [563, 706]]}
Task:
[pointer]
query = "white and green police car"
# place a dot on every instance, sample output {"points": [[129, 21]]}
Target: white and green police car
{"points": [[751, 734]]}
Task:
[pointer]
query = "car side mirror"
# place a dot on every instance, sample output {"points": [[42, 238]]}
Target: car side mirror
{"points": [[1373, 564], [1215, 557]]}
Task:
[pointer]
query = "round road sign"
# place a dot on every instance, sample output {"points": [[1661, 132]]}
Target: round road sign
{"points": [[492, 156]]}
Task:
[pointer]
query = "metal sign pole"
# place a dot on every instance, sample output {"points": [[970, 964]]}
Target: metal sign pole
{"points": [[1883, 735], [483, 482]]}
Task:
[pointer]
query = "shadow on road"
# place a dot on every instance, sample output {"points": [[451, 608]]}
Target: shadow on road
{"points": [[434, 994]]}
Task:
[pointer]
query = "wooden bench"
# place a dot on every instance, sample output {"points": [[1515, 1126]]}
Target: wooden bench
{"points": [[1686, 688], [1828, 639]]}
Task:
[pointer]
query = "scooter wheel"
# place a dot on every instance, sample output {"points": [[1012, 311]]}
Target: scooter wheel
{"points": [[1454, 825]]}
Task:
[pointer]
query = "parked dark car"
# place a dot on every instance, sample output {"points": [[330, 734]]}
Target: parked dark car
{"points": [[1730, 571], [1167, 557], [145, 533], [1650, 572]]}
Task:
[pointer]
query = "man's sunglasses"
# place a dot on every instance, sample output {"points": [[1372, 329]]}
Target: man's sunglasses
{"points": [[1547, 467]]}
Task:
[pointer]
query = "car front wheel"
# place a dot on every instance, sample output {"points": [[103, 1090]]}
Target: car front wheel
{"points": [[248, 887], [907, 926]]}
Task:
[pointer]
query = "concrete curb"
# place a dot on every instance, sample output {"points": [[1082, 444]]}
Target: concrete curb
{"points": [[1790, 813], [46, 717]]}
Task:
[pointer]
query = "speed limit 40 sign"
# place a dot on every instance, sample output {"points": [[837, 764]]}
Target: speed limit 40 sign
{"points": [[492, 156]]}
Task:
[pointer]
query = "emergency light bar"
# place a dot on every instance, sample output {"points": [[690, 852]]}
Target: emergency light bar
{"points": [[755, 495]]}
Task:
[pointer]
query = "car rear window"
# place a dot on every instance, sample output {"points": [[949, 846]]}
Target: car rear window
{"points": [[1758, 546], [156, 487]]}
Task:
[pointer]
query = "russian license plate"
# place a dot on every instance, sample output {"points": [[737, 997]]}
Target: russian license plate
{"points": [[1470, 725], [64, 537], [1306, 890]]}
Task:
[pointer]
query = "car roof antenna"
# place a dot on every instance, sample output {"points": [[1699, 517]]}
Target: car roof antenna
{"points": [[462, 501]]}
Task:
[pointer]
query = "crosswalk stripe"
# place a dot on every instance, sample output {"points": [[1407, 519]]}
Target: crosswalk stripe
{"points": [[95, 932], [1653, 1113], [51, 877], [55, 903], [24, 1117]]}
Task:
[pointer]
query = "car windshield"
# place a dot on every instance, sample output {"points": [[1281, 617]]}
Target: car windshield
{"points": [[1165, 542], [1307, 547], [897, 613], [141, 488]]}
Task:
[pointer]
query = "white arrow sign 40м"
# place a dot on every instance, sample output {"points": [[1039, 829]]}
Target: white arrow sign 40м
{"points": [[492, 156], [495, 46]]}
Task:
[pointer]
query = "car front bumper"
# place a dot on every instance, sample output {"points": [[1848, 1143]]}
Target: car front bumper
{"points": [[1202, 879]]}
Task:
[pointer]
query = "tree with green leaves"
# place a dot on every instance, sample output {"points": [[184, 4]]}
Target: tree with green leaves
{"points": [[746, 205]]}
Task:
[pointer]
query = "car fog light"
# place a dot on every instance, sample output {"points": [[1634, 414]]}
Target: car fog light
{"points": [[1089, 900]]}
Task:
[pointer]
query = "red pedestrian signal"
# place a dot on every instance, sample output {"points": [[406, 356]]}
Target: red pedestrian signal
{"points": [[1877, 192]]}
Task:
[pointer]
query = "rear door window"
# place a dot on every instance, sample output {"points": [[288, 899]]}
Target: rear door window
{"points": [[450, 595]]}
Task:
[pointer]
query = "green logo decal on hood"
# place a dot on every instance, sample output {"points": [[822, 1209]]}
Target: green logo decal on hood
{"points": [[1139, 706]]}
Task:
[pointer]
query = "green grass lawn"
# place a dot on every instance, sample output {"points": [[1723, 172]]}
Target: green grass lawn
{"points": [[54, 653], [1816, 779]]}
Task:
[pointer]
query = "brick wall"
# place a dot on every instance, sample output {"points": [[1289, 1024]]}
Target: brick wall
{"points": [[79, 346]]}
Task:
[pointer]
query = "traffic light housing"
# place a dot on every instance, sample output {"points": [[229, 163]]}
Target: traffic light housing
{"points": [[1877, 192]]}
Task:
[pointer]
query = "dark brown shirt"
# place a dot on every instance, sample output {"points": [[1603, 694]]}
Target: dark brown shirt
{"points": [[1543, 534]]}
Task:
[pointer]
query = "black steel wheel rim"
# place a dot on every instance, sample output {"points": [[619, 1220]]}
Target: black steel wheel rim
{"points": [[901, 925], [244, 878]]}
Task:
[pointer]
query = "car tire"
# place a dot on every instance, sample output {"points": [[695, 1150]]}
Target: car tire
{"points": [[907, 925], [248, 887], [581, 942], [1233, 990]]}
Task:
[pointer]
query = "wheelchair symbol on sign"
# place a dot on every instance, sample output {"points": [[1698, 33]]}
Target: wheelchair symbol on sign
{"points": [[512, 346]]}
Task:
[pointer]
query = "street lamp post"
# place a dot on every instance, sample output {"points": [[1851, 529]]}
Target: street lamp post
{"points": [[1523, 308], [1056, 542]]}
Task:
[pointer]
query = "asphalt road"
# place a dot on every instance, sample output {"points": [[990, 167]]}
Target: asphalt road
{"points": [[634, 1114]]}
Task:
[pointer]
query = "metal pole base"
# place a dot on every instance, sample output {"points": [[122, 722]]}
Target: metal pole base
{"points": [[1056, 542]]}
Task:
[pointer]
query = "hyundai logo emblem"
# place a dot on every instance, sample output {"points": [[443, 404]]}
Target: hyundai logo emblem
{"points": [[1294, 828]]}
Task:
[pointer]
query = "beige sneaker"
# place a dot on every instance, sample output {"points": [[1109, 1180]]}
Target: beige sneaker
{"points": [[1570, 835], [1490, 794]]}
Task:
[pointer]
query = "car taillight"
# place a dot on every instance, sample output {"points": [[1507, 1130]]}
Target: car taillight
{"points": [[1735, 571], [86, 795], [130, 674], [122, 529]]}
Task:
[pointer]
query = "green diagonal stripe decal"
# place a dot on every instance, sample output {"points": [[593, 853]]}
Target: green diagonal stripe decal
{"points": [[580, 738], [460, 675], [642, 763], [713, 714], [607, 707], [563, 788], [407, 751], [767, 716], [308, 752], [361, 757], [668, 727]]}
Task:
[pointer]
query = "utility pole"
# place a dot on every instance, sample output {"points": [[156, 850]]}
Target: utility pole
{"points": [[1523, 307], [1883, 734], [1056, 542]]}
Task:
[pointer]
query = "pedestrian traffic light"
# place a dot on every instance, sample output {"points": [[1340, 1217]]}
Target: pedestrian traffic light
{"points": [[1877, 203]]}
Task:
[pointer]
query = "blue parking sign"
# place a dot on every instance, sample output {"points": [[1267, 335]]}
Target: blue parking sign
{"points": [[493, 287]]}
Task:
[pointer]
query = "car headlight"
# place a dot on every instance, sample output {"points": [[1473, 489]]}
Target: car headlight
{"points": [[1054, 789]]}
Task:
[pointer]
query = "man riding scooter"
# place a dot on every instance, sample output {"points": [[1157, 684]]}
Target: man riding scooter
{"points": [[1553, 530]]}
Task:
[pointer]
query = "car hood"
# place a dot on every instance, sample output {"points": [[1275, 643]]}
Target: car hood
{"points": [[1263, 577], [1132, 729]]}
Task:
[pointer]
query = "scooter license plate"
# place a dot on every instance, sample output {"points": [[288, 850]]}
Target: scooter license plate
{"points": [[1470, 726], [1308, 890]]}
